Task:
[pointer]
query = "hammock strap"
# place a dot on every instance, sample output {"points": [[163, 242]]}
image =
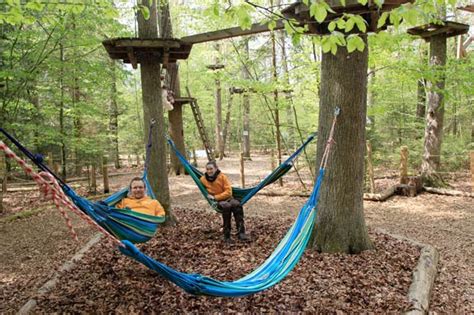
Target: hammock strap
{"points": [[148, 146], [330, 142], [53, 187]]}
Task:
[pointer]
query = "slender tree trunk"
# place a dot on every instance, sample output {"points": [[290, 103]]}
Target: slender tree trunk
{"points": [[275, 98], [226, 131], [3, 174], [35, 101], [246, 106], [218, 108], [153, 109], [340, 224], [62, 129], [435, 114], [175, 117], [113, 118], [289, 100]]}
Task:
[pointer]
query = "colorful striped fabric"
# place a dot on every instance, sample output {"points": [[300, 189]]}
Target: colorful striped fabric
{"points": [[273, 269], [125, 224], [242, 194]]}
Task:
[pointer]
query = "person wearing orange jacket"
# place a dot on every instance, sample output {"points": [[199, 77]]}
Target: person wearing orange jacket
{"points": [[219, 189], [138, 201]]}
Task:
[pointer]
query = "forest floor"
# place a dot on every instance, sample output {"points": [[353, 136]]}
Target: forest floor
{"points": [[33, 247]]}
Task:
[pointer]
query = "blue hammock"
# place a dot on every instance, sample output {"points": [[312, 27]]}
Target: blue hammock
{"points": [[124, 224], [274, 269], [242, 194]]}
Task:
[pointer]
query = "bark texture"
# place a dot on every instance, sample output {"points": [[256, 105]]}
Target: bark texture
{"points": [[153, 109], [434, 114], [113, 118], [175, 117], [340, 224]]}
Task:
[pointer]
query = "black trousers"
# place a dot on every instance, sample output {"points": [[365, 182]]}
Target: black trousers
{"points": [[229, 207]]}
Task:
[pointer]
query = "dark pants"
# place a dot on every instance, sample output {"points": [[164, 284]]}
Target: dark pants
{"points": [[228, 207]]}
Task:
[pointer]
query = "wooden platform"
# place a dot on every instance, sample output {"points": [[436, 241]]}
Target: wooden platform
{"points": [[370, 12], [183, 100], [132, 50], [449, 29]]}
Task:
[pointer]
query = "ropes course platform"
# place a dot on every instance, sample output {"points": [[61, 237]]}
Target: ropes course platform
{"points": [[131, 50], [448, 28]]}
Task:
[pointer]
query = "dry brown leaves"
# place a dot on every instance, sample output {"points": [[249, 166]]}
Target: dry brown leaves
{"points": [[106, 281]]}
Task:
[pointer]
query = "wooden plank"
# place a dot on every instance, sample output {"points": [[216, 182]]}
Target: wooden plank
{"points": [[449, 28], [230, 32], [143, 43]]}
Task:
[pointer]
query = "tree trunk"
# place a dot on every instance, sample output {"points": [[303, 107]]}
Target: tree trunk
{"points": [[218, 108], [246, 106], [226, 132], [62, 129], [340, 224], [153, 109], [435, 114], [289, 100], [275, 98], [113, 118], [3, 174], [421, 97], [175, 117]]}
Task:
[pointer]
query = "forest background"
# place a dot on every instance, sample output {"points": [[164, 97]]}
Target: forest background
{"points": [[61, 93]]}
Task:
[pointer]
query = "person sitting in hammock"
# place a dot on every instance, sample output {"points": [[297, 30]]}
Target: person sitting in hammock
{"points": [[219, 188], [138, 201]]}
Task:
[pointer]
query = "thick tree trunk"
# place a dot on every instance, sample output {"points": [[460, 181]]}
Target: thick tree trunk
{"points": [[113, 118], [153, 109], [340, 224], [246, 106], [421, 100], [435, 114], [175, 117]]}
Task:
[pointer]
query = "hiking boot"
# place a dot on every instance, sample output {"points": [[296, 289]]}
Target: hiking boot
{"points": [[228, 240], [243, 237]]}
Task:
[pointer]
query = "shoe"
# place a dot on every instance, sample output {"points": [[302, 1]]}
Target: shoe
{"points": [[228, 241], [243, 237]]}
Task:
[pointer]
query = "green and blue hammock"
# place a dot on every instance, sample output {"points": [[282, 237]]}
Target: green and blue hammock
{"points": [[241, 194], [132, 227]]}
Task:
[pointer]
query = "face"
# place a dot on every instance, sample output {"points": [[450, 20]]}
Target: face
{"points": [[137, 189], [210, 169]]}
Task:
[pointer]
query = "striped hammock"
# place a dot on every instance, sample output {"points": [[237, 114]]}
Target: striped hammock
{"points": [[242, 194], [124, 224]]}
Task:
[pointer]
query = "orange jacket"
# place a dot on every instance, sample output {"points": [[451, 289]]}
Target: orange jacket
{"points": [[221, 188], [144, 205]]}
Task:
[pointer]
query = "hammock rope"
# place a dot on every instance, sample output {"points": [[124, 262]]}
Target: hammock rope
{"points": [[274, 268], [243, 194], [51, 189], [121, 223]]}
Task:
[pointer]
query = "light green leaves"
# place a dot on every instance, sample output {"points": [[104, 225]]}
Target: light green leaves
{"points": [[319, 10], [355, 42], [382, 20]]}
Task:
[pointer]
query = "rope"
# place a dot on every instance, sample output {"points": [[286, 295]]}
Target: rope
{"points": [[52, 187], [148, 146], [330, 142]]}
